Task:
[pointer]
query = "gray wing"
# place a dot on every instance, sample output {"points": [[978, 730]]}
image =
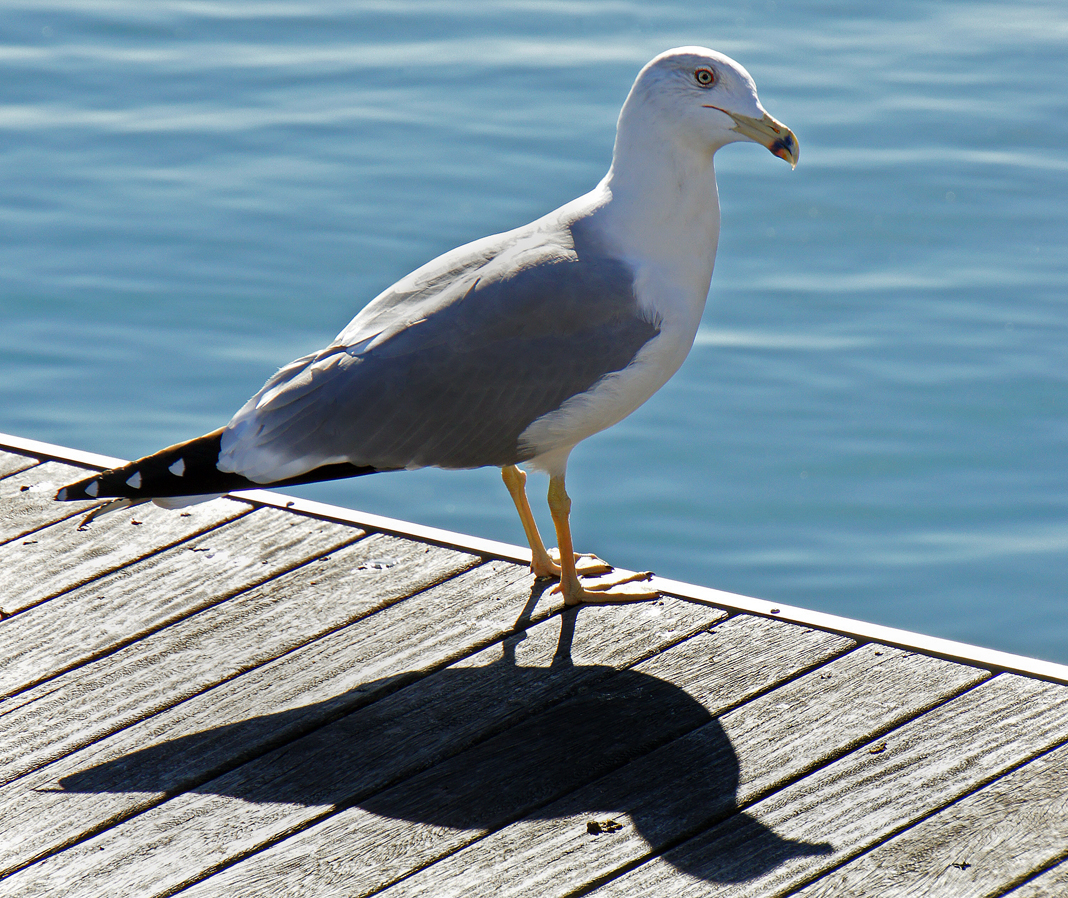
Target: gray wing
{"points": [[451, 365]]}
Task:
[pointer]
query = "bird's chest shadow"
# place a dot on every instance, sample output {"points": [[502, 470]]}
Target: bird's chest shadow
{"points": [[568, 757]]}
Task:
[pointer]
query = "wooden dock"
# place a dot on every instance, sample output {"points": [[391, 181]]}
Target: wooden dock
{"points": [[265, 696]]}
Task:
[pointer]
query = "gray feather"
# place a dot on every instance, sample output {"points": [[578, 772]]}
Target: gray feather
{"points": [[451, 365]]}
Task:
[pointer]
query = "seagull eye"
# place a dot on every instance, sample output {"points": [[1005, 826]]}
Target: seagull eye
{"points": [[705, 77]]}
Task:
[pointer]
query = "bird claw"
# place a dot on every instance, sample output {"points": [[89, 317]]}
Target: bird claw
{"points": [[586, 565], [597, 581], [620, 587], [603, 584]]}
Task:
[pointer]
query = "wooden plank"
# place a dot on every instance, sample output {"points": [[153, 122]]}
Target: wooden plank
{"points": [[393, 834], [139, 599], [27, 500], [703, 777], [13, 462], [263, 707], [862, 799], [190, 835], [1052, 882], [977, 846], [55, 559], [960, 652], [42, 450], [63, 714]]}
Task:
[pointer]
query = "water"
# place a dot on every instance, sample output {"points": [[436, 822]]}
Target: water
{"points": [[873, 420]]}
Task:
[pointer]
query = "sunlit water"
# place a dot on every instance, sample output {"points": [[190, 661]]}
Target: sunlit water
{"points": [[873, 419]]}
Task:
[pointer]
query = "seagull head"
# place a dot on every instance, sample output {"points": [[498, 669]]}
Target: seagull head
{"points": [[703, 99]]}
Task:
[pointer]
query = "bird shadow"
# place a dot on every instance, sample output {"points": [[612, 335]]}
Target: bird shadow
{"points": [[570, 758]]}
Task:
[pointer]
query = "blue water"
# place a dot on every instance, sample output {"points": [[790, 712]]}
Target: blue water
{"points": [[874, 419]]}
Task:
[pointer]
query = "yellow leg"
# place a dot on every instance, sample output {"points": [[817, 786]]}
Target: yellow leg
{"points": [[541, 563], [560, 509], [570, 586]]}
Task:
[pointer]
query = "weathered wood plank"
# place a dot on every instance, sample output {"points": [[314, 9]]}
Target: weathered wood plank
{"points": [[860, 800], [189, 836], [12, 462], [27, 500], [139, 599], [63, 714], [263, 707], [54, 559], [365, 848], [1054, 882], [976, 847], [681, 788]]}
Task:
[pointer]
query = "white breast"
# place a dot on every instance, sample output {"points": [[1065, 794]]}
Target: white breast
{"points": [[616, 395]]}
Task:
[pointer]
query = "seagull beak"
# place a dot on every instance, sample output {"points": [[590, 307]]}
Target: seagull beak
{"points": [[769, 133]]}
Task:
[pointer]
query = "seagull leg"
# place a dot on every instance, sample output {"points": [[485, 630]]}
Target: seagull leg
{"points": [[572, 589], [541, 563]]}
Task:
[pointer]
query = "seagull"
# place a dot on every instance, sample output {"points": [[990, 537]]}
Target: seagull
{"points": [[512, 349]]}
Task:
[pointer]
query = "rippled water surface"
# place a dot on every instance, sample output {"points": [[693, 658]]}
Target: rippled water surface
{"points": [[873, 419]]}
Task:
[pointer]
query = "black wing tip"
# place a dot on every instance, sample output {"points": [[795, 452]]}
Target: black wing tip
{"points": [[115, 483], [159, 475], [187, 469], [76, 492]]}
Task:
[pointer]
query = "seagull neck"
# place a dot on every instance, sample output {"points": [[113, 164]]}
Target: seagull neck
{"points": [[663, 204]]}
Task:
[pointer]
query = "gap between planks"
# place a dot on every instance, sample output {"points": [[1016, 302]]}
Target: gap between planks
{"points": [[973, 846], [289, 672], [865, 682], [1051, 881], [87, 621], [957, 747]]}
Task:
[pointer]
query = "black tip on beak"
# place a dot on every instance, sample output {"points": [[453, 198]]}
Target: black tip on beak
{"points": [[785, 147]]}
